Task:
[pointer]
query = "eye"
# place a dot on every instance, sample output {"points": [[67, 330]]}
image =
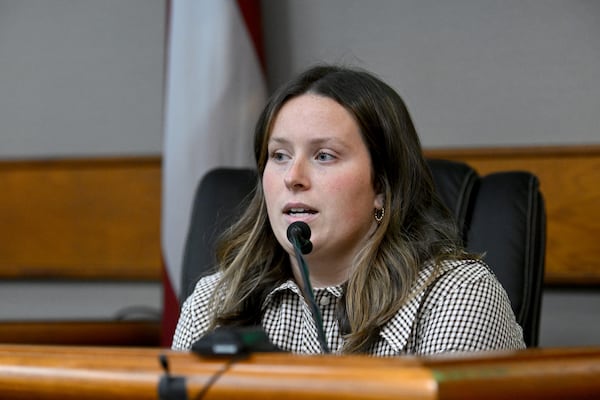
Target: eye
{"points": [[278, 156], [325, 156]]}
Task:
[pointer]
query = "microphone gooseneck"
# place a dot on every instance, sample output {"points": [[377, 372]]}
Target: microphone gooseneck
{"points": [[298, 233]]}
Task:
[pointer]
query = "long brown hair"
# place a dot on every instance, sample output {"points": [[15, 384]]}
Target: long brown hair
{"points": [[416, 227]]}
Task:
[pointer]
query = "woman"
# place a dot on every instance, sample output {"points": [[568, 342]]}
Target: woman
{"points": [[336, 149]]}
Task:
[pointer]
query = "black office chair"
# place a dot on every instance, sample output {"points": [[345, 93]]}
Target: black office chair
{"points": [[500, 214]]}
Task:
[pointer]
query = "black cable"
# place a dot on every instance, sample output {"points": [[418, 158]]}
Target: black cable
{"points": [[215, 377], [174, 387]]}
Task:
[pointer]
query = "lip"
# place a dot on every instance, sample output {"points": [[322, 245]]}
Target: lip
{"points": [[299, 217]]}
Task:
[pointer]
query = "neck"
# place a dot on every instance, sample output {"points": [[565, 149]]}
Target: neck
{"points": [[322, 274]]}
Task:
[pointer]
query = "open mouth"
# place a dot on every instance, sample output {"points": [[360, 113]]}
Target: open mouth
{"points": [[299, 212]]}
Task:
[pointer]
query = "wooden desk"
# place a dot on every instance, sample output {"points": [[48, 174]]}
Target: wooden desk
{"points": [[53, 372]]}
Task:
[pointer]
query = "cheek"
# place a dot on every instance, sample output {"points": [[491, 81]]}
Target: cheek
{"points": [[352, 188], [272, 191], [268, 184], [354, 198]]}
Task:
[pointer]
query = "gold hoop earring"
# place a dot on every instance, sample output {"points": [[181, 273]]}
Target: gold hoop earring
{"points": [[379, 213]]}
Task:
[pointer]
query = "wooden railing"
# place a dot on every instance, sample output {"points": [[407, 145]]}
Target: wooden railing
{"points": [[40, 372], [141, 333], [100, 218]]}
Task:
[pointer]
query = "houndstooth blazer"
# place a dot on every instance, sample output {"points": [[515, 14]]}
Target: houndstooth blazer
{"points": [[459, 307]]}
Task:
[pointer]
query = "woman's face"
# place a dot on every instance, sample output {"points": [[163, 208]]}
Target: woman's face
{"points": [[319, 171]]}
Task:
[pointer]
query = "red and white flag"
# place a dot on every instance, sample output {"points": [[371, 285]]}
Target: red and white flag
{"points": [[215, 89]]}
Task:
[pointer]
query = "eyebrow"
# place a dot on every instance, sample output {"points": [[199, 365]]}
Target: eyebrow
{"points": [[315, 141]]}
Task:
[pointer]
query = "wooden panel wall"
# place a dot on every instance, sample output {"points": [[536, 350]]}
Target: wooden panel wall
{"points": [[100, 219], [570, 182], [80, 219]]}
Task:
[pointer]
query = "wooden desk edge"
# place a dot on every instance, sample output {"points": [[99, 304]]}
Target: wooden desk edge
{"points": [[50, 372]]}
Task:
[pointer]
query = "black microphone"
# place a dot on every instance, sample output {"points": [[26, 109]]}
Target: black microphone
{"points": [[298, 233]]}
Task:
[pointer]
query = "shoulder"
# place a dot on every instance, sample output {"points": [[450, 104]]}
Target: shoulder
{"points": [[453, 274], [473, 279], [203, 292], [465, 309], [205, 287], [195, 315]]}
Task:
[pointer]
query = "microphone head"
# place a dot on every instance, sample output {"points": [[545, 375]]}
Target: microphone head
{"points": [[298, 233]]}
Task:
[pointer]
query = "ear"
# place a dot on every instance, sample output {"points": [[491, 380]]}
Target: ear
{"points": [[378, 202]]}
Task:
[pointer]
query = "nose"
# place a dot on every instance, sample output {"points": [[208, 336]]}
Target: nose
{"points": [[296, 177]]}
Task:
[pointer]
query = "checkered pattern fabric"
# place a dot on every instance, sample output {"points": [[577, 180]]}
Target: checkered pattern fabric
{"points": [[462, 307]]}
